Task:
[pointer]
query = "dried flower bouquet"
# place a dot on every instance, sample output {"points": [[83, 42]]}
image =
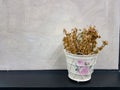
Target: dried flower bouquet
{"points": [[82, 42]]}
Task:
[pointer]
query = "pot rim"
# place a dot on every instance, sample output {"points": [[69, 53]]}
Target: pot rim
{"points": [[75, 55]]}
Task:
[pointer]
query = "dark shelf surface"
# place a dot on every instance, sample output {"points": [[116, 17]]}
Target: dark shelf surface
{"points": [[57, 78]]}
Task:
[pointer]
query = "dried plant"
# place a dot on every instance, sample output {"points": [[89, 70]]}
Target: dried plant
{"points": [[82, 42]]}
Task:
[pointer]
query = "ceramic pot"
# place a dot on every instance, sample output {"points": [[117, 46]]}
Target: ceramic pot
{"points": [[80, 67]]}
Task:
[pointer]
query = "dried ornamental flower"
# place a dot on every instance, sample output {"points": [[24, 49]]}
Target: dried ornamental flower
{"points": [[82, 42]]}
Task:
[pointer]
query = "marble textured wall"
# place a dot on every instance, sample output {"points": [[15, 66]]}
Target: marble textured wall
{"points": [[31, 31]]}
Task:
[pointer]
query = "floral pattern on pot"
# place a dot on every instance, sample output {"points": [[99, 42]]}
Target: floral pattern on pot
{"points": [[82, 67], [80, 63]]}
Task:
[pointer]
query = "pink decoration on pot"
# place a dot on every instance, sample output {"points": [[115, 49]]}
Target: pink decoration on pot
{"points": [[83, 70], [80, 63]]}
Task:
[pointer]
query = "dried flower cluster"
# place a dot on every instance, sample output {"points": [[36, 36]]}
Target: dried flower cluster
{"points": [[82, 42]]}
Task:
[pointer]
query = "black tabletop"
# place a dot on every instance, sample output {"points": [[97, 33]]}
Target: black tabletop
{"points": [[57, 78]]}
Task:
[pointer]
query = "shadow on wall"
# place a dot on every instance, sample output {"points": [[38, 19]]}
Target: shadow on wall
{"points": [[58, 60]]}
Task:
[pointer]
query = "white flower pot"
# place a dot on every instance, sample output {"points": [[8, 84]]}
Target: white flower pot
{"points": [[80, 67]]}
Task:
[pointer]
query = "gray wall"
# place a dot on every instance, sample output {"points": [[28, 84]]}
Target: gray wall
{"points": [[31, 31]]}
